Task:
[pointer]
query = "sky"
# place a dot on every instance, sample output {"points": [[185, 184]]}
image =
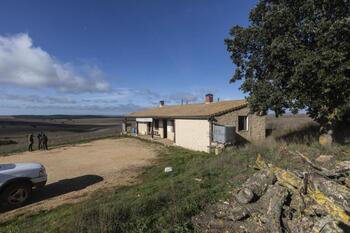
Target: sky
{"points": [[114, 57]]}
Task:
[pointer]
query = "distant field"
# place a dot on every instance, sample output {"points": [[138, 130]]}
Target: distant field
{"points": [[59, 129], [292, 128]]}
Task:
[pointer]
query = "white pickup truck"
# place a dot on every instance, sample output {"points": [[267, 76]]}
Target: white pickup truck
{"points": [[17, 181]]}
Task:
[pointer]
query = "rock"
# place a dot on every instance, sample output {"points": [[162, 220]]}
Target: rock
{"points": [[340, 194], [347, 182], [325, 139], [342, 165], [238, 215], [219, 149], [168, 169], [297, 204], [255, 186], [326, 225], [263, 204], [231, 211], [300, 224], [324, 158], [271, 206], [245, 195]]}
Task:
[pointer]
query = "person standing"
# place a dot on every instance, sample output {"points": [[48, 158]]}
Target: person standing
{"points": [[44, 142], [40, 140], [30, 142]]}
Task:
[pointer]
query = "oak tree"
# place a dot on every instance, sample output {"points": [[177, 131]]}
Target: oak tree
{"points": [[295, 55]]}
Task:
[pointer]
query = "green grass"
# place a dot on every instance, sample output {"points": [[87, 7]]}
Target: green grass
{"points": [[165, 202]]}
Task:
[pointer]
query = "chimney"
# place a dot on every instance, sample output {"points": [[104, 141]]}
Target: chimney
{"points": [[161, 103], [209, 98]]}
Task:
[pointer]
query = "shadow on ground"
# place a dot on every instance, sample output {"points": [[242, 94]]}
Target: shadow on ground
{"points": [[60, 188]]}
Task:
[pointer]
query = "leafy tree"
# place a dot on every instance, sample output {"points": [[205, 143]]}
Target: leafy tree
{"points": [[296, 55]]}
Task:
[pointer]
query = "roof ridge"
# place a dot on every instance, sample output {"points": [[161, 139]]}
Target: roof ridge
{"points": [[203, 103], [192, 110]]}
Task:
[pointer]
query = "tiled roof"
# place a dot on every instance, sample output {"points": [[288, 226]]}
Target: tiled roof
{"points": [[192, 110]]}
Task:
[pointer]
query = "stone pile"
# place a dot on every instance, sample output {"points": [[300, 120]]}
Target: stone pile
{"points": [[278, 200]]}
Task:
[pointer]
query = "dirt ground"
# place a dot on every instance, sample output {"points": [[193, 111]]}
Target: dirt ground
{"points": [[75, 172]]}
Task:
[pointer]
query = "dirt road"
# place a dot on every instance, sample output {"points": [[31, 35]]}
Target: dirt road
{"points": [[76, 171]]}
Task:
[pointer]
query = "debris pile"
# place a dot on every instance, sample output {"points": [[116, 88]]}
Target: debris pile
{"points": [[279, 200]]}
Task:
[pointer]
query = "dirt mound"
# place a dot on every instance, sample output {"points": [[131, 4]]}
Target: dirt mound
{"points": [[278, 200]]}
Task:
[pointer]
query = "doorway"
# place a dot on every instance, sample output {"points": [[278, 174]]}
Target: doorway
{"points": [[149, 128], [165, 128]]}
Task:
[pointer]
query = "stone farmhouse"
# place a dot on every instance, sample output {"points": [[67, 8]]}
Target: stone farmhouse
{"points": [[203, 126]]}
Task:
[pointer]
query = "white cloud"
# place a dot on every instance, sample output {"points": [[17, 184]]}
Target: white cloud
{"points": [[36, 99], [23, 64]]}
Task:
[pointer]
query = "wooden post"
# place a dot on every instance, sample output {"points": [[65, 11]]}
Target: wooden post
{"points": [[174, 131], [137, 128], [152, 133], [211, 132]]}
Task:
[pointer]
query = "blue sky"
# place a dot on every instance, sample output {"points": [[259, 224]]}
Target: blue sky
{"points": [[113, 57]]}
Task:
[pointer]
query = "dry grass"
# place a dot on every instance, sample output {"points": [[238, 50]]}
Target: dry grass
{"points": [[292, 129]]}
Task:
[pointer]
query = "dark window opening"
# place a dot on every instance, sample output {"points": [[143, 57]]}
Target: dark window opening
{"points": [[243, 123]]}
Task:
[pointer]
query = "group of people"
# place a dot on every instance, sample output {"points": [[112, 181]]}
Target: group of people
{"points": [[42, 141]]}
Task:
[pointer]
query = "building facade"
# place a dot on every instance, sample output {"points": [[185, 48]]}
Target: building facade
{"points": [[194, 126]]}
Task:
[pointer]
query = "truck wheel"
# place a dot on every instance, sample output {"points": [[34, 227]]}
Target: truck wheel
{"points": [[16, 194]]}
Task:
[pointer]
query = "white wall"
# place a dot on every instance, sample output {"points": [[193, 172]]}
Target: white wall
{"points": [[142, 128], [192, 134], [160, 129], [170, 130]]}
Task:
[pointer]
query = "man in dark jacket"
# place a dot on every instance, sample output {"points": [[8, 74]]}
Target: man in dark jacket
{"points": [[30, 142], [40, 140], [44, 142]]}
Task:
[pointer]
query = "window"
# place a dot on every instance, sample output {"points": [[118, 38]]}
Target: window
{"points": [[242, 123]]}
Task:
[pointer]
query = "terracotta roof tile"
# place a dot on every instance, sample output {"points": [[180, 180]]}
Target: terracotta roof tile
{"points": [[192, 110]]}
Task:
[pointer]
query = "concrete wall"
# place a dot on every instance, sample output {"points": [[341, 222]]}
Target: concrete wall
{"points": [[171, 130], [256, 125], [192, 134], [142, 128], [161, 130]]}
